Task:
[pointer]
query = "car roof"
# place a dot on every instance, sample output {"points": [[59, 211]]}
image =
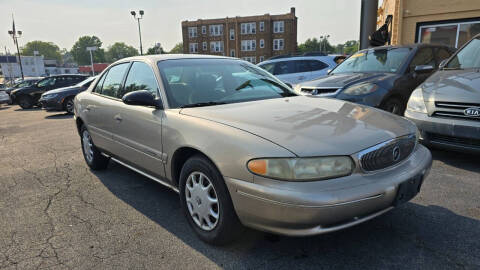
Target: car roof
{"points": [[161, 57], [323, 57], [413, 45]]}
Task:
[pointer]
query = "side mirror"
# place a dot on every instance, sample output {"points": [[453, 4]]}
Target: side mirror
{"points": [[328, 71], [443, 63], [142, 98], [423, 69]]}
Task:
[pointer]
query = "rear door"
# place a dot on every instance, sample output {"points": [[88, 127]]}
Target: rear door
{"points": [[285, 71], [138, 129], [303, 71], [318, 69]]}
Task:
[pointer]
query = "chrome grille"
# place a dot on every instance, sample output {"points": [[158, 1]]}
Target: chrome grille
{"points": [[387, 154], [319, 91], [454, 110]]}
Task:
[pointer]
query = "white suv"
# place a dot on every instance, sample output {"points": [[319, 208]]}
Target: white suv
{"points": [[297, 69]]}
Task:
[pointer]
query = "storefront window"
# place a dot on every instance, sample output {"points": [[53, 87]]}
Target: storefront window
{"points": [[450, 34]]}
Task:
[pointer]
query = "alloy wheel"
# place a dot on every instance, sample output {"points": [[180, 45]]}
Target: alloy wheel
{"points": [[202, 201], [69, 106], [87, 146]]}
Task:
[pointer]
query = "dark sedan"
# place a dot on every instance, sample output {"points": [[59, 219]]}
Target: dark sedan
{"points": [[27, 97], [382, 77], [61, 99]]}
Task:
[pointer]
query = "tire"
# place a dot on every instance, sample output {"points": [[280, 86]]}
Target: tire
{"points": [[93, 157], [25, 102], [394, 105], [68, 105], [227, 225]]}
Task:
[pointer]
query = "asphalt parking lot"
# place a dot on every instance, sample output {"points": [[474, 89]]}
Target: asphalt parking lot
{"points": [[57, 214]]}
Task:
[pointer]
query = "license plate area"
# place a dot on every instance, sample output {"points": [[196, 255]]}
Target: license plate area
{"points": [[408, 189]]}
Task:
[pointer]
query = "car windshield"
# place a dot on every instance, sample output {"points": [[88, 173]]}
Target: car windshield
{"points": [[467, 57], [380, 60], [205, 82], [86, 82], [46, 81]]}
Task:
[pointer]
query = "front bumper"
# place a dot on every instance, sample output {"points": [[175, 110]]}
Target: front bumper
{"points": [[309, 208], [5, 99], [54, 104], [453, 134]]}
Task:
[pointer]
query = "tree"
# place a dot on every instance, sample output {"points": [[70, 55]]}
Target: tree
{"points": [[80, 53], [156, 49], [178, 48], [118, 51], [48, 49], [351, 47], [315, 45]]}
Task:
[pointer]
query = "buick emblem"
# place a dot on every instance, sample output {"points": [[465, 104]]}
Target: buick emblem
{"points": [[396, 153], [473, 112]]}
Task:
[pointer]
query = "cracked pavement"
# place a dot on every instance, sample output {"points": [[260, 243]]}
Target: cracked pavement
{"points": [[57, 214]]}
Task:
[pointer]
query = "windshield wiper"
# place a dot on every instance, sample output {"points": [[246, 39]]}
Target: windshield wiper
{"points": [[286, 93], [243, 85], [202, 104], [452, 68]]}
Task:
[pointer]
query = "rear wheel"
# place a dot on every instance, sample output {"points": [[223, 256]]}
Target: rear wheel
{"points": [[394, 105], [94, 158], [25, 102], [68, 105], [206, 202]]}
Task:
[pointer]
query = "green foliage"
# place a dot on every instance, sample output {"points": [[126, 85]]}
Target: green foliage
{"points": [[80, 53], [316, 45], [157, 49], [351, 47], [178, 48], [118, 51], [48, 49]]}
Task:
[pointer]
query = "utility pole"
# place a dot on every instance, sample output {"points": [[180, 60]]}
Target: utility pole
{"points": [[140, 16], [15, 35], [91, 49]]}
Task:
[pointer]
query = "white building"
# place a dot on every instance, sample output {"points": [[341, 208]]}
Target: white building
{"points": [[33, 66]]}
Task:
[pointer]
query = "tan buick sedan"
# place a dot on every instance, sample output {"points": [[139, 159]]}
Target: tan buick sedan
{"points": [[242, 149]]}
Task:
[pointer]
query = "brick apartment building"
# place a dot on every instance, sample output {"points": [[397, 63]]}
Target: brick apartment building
{"points": [[252, 38]]}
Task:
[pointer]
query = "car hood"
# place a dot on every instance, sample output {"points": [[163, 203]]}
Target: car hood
{"points": [[63, 89], [462, 86], [309, 125], [346, 79]]}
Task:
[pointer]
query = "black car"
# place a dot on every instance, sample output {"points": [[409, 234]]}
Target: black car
{"points": [[61, 99], [27, 97], [382, 77]]}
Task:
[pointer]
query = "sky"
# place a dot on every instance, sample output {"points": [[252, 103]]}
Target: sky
{"points": [[64, 21]]}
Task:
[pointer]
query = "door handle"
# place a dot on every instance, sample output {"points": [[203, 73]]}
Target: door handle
{"points": [[118, 118], [89, 107]]}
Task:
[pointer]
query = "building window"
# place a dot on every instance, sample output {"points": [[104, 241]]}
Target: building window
{"points": [[204, 45], [278, 44], [262, 43], [216, 46], [192, 32], [262, 26], [450, 34], [250, 59], [204, 30], [232, 53], [249, 45], [262, 58], [216, 30], [193, 47], [232, 34], [278, 26], [248, 28]]}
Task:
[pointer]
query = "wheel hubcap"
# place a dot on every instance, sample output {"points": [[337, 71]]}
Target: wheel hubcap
{"points": [[87, 146], [70, 106], [202, 201]]}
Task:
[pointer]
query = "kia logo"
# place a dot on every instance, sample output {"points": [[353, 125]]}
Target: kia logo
{"points": [[396, 153], [473, 112]]}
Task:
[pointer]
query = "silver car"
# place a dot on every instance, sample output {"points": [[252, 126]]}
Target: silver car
{"points": [[242, 149]]}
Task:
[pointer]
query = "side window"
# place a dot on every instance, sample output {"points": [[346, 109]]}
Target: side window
{"points": [[302, 66], [317, 65], [98, 87], [424, 56], [442, 54], [284, 67], [113, 80], [140, 77]]}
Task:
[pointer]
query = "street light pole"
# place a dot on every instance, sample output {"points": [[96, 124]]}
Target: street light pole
{"points": [[140, 16], [91, 49], [15, 35]]}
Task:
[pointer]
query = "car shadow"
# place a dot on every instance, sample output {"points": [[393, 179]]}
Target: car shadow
{"points": [[59, 116], [413, 236], [27, 110], [465, 161], [4, 107]]}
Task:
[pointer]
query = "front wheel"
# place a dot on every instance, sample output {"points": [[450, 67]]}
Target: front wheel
{"points": [[94, 158], [68, 105], [206, 202], [25, 102], [394, 105]]}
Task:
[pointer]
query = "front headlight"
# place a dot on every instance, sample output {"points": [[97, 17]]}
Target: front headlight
{"points": [[302, 169], [361, 89], [416, 102]]}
